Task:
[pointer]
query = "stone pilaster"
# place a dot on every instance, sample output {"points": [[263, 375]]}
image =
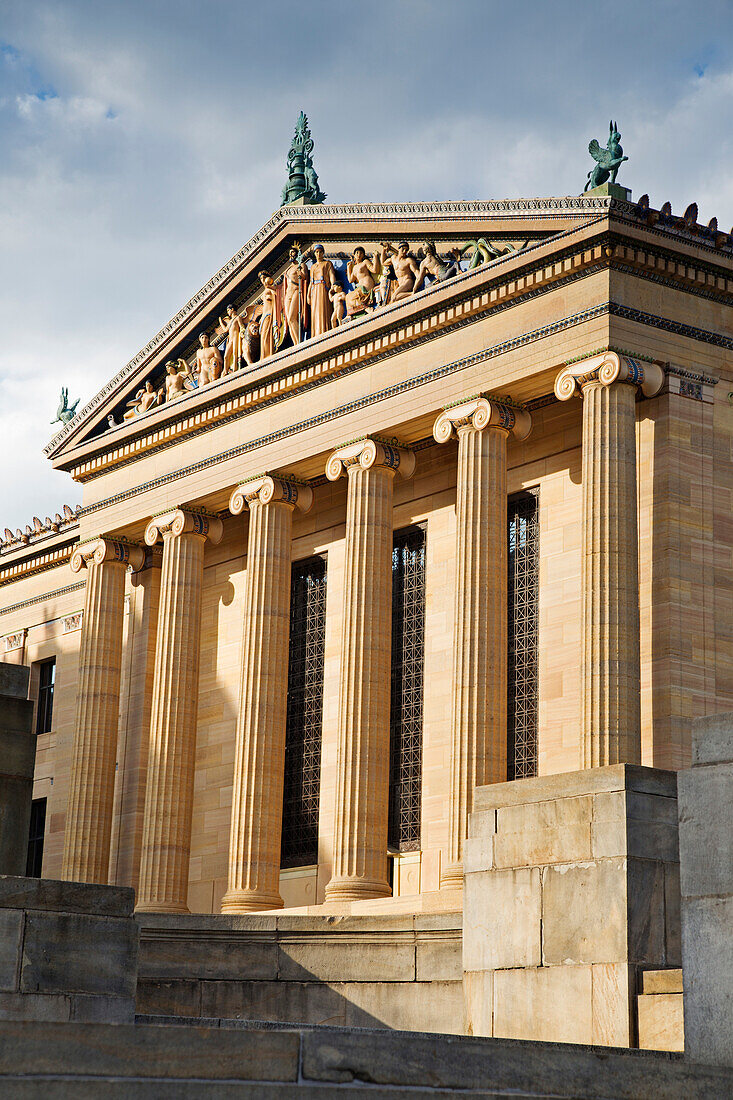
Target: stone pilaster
{"points": [[478, 718], [362, 785], [257, 799], [166, 840], [91, 797], [610, 662]]}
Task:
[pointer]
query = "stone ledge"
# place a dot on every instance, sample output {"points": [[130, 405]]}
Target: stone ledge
{"points": [[614, 777], [51, 895]]}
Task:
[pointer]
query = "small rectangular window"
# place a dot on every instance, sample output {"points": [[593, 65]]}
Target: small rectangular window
{"points": [[34, 863], [46, 680]]}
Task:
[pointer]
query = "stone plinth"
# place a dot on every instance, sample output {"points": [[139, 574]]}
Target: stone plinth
{"points": [[68, 951], [17, 761], [571, 889], [706, 872]]}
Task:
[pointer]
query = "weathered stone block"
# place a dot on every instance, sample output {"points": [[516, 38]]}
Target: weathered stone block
{"points": [[177, 997], [18, 753], [69, 953], [14, 680], [661, 1023], [502, 919], [335, 958], [102, 1010], [16, 715], [17, 892], [612, 996], [42, 1007], [584, 913], [478, 999], [707, 954], [16, 794], [706, 828], [712, 742], [11, 939], [209, 954], [439, 958], [645, 898], [551, 1004], [543, 832]]}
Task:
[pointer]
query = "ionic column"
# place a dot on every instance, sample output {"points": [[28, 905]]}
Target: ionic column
{"points": [[89, 812], [257, 800], [166, 841], [610, 663], [362, 784], [478, 711]]}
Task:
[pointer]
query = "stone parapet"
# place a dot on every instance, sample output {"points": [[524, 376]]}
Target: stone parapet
{"points": [[571, 890], [706, 872], [68, 951]]}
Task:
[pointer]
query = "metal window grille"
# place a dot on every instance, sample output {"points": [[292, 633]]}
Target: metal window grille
{"points": [[44, 712], [522, 709], [406, 710], [304, 713], [36, 833]]}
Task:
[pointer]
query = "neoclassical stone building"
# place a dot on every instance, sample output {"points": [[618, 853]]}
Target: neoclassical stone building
{"points": [[477, 530]]}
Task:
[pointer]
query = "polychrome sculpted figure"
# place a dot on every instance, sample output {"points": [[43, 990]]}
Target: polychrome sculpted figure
{"points": [[609, 160], [322, 278], [295, 300], [268, 315], [337, 294], [143, 401], [208, 361], [176, 380], [232, 325], [405, 267], [362, 274], [251, 344], [433, 265]]}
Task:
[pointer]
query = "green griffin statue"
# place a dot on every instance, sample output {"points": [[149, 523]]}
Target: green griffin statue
{"points": [[302, 186], [609, 160]]}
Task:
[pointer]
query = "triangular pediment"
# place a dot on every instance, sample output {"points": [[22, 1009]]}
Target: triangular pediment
{"points": [[137, 391]]}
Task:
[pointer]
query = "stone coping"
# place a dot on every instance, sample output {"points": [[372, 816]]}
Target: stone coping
{"points": [[613, 777], [186, 923], [65, 897], [233, 1051]]}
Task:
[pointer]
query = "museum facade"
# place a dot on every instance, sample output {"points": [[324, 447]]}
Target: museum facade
{"points": [[403, 521]]}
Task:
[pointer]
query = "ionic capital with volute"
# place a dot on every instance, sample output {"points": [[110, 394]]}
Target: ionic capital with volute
{"points": [[103, 549], [271, 489], [482, 411], [608, 367], [369, 452], [181, 521]]}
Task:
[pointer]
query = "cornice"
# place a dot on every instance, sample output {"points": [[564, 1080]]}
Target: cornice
{"points": [[297, 215], [36, 562], [43, 598]]}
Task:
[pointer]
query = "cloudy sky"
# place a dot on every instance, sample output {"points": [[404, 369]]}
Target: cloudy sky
{"points": [[142, 142]]}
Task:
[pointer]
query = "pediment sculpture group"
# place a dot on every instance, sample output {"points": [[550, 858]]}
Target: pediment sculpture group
{"points": [[308, 301]]}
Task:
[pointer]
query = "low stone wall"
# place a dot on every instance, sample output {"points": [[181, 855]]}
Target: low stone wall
{"points": [[571, 891], [394, 972], [706, 855], [68, 951], [209, 1058]]}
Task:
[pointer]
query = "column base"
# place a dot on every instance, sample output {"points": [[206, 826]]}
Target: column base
{"points": [[451, 876], [249, 901], [356, 889], [154, 907]]}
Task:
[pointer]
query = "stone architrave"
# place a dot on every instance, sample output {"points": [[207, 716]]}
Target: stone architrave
{"points": [[166, 840], [257, 800], [362, 782], [610, 666], [482, 425], [91, 796]]}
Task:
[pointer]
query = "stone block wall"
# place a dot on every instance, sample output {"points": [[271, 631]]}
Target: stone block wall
{"points": [[706, 863], [388, 972], [68, 951], [17, 761], [571, 890]]}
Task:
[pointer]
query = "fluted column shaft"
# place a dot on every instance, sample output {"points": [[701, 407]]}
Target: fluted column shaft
{"points": [[257, 799], [479, 703], [166, 839], [362, 784], [610, 664], [91, 797]]}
